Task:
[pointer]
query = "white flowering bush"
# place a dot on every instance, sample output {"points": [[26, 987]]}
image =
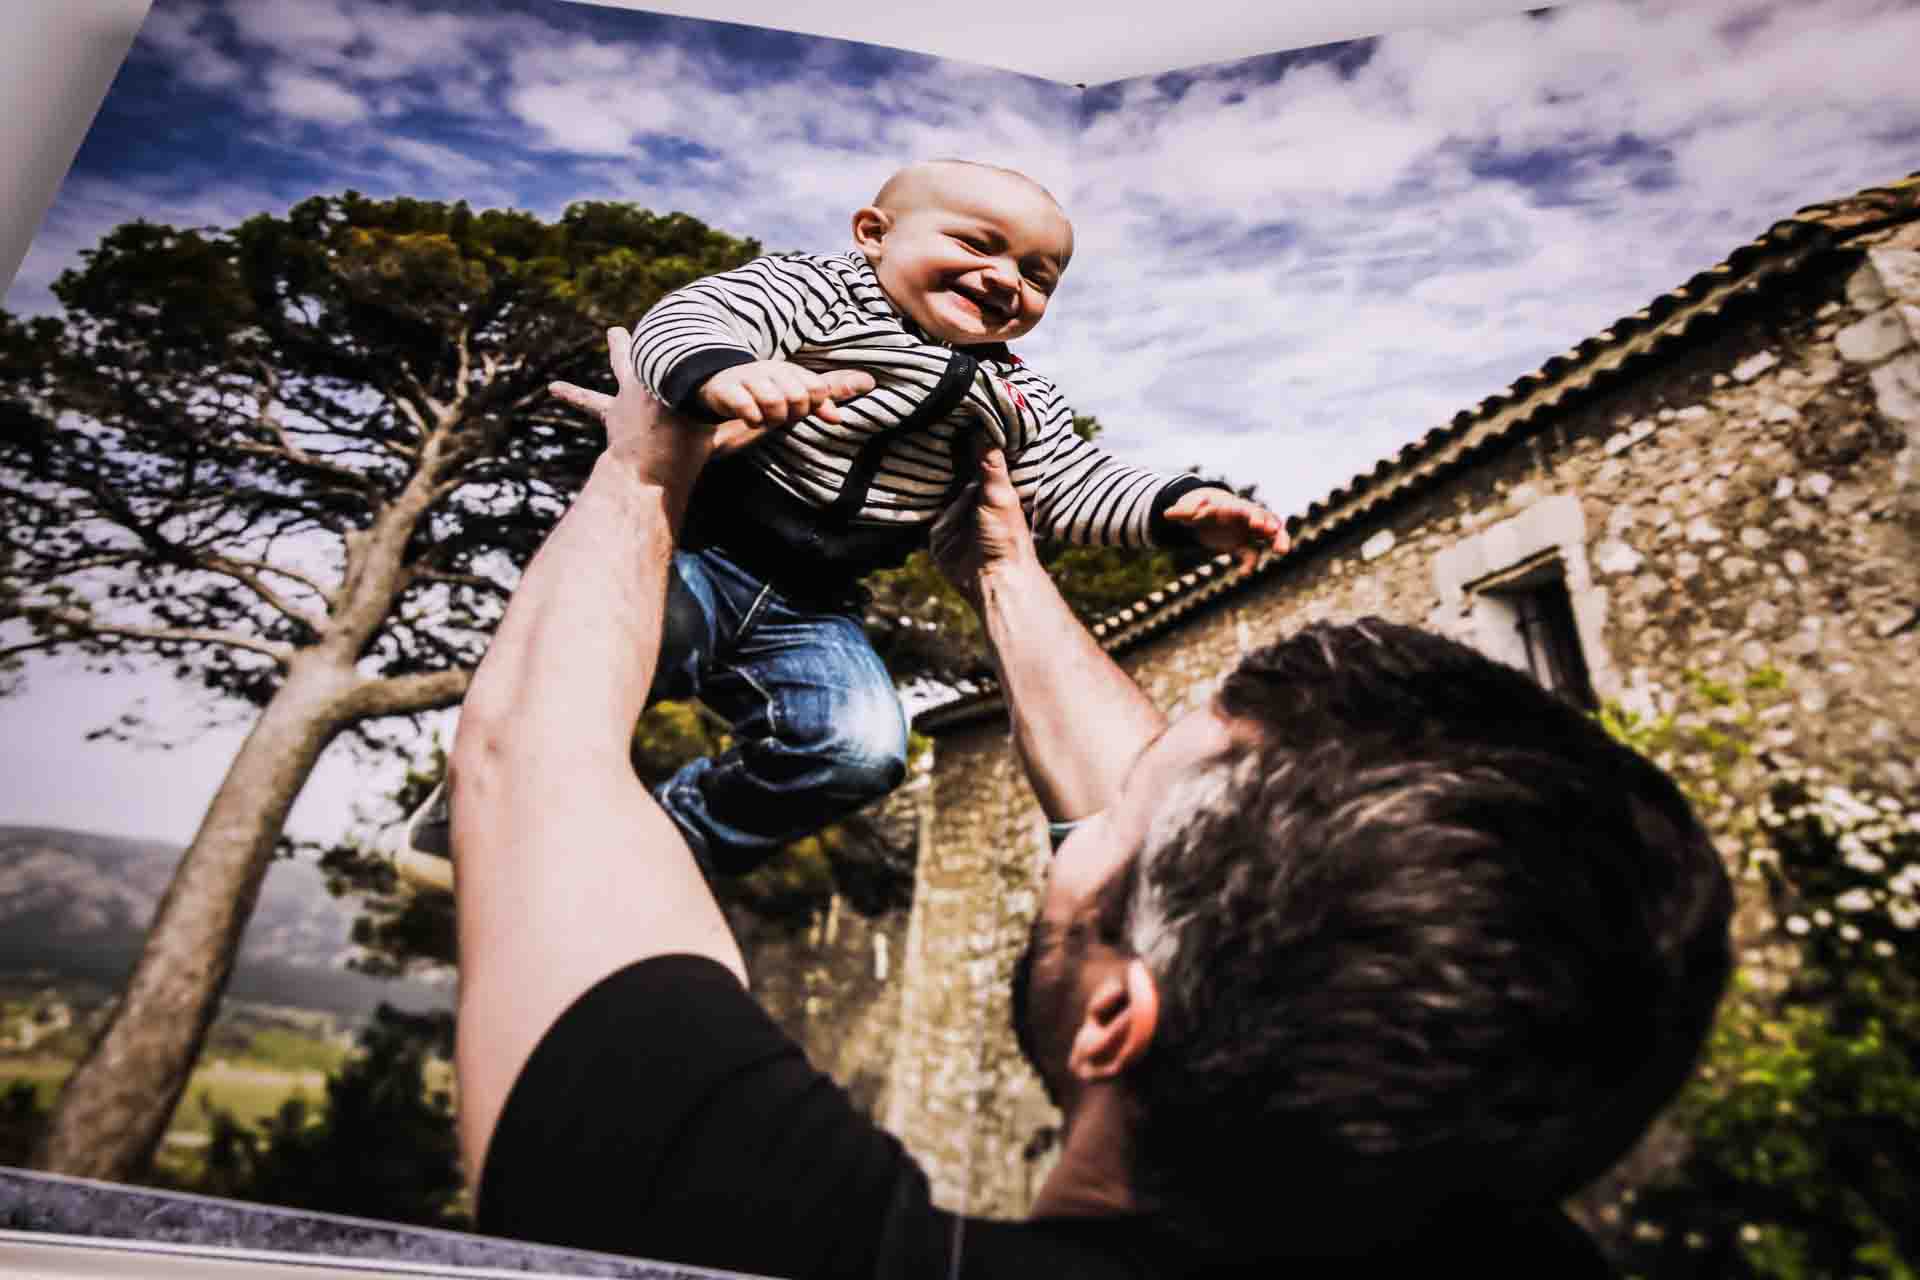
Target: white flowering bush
{"points": [[1804, 1118], [1854, 885]]}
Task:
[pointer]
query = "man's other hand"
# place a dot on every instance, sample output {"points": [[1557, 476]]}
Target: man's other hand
{"points": [[983, 530]]}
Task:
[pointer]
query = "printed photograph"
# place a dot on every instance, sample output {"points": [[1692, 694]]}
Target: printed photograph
{"points": [[1584, 337]]}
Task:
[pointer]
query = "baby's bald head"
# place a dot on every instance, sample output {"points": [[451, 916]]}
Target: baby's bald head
{"points": [[928, 181]]}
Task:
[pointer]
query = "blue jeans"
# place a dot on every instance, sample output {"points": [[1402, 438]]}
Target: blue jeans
{"points": [[818, 730]]}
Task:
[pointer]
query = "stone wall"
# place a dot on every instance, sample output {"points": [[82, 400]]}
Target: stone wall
{"points": [[833, 985], [959, 1095], [833, 981], [1750, 499]]}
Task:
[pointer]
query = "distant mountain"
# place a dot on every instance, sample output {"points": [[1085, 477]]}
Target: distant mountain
{"points": [[77, 904]]}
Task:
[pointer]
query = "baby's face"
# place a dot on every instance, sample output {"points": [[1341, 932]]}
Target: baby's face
{"points": [[971, 255]]}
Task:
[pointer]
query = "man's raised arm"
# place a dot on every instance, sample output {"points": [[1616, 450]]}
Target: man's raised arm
{"points": [[1078, 719], [567, 869]]}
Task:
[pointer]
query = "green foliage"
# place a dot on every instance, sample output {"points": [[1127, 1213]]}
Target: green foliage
{"points": [[22, 1119], [291, 1051], [397, 931], [382, 1147], [670, 734], [1804, 1118], [921, 627], [194, 455]]}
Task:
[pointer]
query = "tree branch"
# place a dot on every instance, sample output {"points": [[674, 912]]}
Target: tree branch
{"points": [[354, 480], [244, 575], [447, 488], [263, 411], [474, 580], [312, 584], [84, 622], [461, 386], [103, 561], [29, 646], [404, 695], [411, 412], [426, 398]]}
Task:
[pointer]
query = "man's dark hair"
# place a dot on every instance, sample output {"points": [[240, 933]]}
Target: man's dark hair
{"points": [[1429, 938]]}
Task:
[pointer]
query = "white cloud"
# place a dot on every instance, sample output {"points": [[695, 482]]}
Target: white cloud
{"points": [[177, 31], [371, 39], [311, 98], [374, 48], [595, 119], [1397, 271], [1407, 281], [310, 31], [440, 161], [785, 160]]}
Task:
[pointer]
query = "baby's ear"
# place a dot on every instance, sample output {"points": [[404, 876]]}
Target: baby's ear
{"points": [[870, 227]]}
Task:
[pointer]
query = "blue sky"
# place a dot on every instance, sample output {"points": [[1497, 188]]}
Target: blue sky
{"points": [[1286, 266]]}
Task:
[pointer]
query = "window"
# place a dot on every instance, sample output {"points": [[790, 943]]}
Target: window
{"points": [[1549, 637], [1520, 591]]}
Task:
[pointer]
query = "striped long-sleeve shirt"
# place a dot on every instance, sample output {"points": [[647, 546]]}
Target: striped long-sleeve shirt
{"points": [[902, 451]]}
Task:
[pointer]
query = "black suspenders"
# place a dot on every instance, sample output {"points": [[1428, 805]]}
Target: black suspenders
{"points": [[946, 394]]}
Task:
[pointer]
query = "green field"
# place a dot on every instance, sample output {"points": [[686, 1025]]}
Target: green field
{"points": [[251, 1091], [45, 1076], [291, 1051], [257, 1058]]}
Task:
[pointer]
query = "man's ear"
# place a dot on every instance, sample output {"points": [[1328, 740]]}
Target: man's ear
{"points": [[1121, 1017], [870, 227]]}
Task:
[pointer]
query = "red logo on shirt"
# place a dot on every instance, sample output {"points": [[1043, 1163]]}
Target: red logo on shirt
{"points": [[1013, 394]]}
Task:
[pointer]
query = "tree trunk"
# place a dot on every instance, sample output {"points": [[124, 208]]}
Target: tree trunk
{"points": [[115, 1107]]}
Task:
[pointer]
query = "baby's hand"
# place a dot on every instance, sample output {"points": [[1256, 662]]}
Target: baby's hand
{"points": [[1221, 520], [778, 393]]}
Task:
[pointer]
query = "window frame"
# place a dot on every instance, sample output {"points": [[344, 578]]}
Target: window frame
{"points": [[1483, 577]]}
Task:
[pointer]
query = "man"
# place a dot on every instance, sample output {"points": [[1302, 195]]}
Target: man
{"points": [[1359, 968]]}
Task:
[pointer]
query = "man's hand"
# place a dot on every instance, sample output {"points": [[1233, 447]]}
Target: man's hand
{"points": [[1221, 520], [778, 393], [662, 447], [983, 530], [1078, 720]]}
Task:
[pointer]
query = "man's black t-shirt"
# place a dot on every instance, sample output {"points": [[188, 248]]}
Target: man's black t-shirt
{"points": [[666, 1116]]}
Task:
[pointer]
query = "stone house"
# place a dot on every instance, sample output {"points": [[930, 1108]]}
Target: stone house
{"points": [[1725, 481]]}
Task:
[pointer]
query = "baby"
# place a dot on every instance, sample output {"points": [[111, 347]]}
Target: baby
{"points": [[856, 392]]}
